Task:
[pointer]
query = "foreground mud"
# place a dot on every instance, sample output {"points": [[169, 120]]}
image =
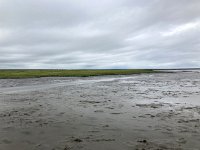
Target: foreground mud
{"points": [[150, 112]]}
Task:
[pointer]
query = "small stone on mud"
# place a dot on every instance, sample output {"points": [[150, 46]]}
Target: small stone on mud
{"points": [[142, 141], [98, 111], [78, 140]]}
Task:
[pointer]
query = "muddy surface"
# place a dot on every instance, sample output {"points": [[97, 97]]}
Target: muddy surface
{"points": [[138, 112]]}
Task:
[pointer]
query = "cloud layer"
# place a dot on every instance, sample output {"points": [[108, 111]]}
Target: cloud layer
{"points": [[92, 34]]}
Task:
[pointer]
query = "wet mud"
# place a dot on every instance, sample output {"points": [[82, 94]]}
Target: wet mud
{"points": [[137, 112]]}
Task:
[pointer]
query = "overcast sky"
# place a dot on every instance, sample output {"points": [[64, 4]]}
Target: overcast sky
{"points": [[98, 34]]}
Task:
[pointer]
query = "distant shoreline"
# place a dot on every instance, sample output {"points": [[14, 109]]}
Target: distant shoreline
{"points": [[37, 73]]}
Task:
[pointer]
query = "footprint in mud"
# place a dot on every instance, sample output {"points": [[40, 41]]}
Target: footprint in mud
{"points": [[105, 126], [116, 113], [147, 116], [151, 105], [99, 111], [94, 131], [92, 102], [110, 107], [103, 140], [60, 114], [142, 116]]}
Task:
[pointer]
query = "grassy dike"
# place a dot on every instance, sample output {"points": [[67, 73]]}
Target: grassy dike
{"points": [[13, 74]]}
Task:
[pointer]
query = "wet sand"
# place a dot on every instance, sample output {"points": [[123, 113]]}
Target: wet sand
{"points": [[144, 112]]}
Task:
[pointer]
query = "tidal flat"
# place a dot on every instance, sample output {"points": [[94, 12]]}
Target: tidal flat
{"points": [[121, 112]]}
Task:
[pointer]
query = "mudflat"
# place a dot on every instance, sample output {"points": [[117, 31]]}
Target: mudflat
{"points": [[147, 111]]}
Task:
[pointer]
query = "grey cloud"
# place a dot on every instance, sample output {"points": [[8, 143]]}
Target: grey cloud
{"points": [[99, 34]]}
